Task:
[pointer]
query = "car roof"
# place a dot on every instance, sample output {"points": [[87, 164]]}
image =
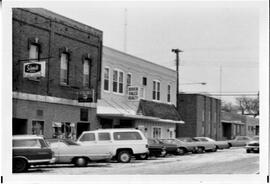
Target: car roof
{"points": [[112, 130], [27, 137]]}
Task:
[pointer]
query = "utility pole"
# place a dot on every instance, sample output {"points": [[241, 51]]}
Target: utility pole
{"points": [[176, 51]]}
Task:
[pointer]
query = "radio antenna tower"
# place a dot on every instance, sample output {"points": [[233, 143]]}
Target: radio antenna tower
{"points": [[125, 31]]}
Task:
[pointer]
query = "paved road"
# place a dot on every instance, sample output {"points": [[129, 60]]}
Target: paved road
{"points": [[227, 161]]}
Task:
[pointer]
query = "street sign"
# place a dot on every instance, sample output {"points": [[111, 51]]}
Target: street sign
{"points": [[133, 93]]}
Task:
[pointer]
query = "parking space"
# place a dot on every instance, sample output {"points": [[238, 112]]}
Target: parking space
{"points": [[227, 161]]}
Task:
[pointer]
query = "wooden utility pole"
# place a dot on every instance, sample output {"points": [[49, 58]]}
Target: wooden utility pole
{"points": [[176, 51]]}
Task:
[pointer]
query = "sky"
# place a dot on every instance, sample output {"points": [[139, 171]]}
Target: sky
{"points": [[220, 40]]}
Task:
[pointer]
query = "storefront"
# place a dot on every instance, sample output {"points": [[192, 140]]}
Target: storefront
{"points": [[155, 120], [54, 118]]}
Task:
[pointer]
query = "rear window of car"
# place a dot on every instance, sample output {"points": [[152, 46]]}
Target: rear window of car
{"points": [[87, 137], [35, 143], [104, 136], [126, 136]]}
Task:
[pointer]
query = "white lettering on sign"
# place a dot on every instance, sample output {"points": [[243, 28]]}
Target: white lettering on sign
{"points": [[34, 69]]}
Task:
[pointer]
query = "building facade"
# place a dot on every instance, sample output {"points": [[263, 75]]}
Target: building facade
{"points": [[137, 94], [201, 115], [252, 126], [56, 74], [232, 125]]}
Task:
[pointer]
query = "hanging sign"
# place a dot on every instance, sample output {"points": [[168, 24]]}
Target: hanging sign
{"points": [[34, 69]]}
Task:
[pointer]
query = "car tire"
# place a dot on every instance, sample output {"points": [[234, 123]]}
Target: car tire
{"points": [[248, 151], [142, 156], [124, 157], [20, 165], [180, 151], [81, 162], [214, 149], [200, 150]]}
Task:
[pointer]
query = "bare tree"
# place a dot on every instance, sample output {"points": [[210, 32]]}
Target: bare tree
{"points": [[229, 107], [248, 106]]}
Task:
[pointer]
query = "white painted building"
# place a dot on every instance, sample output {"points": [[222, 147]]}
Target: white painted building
{"points": [[137, 93]]}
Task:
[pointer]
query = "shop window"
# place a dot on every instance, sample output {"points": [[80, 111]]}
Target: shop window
{"points": [[86, 72], [64, 67], [84, 114], [64, 130], [38, 127], [106, 79], [156, 132]]}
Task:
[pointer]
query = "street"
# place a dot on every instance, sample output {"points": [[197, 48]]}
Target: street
{"points": [[227, 161]]}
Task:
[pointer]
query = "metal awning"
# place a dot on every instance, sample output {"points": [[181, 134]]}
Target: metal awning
{"points": [[111, 108], [232, 122]]}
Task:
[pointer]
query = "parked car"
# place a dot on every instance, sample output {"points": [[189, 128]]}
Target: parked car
{"points": [[123, 143], [170, 148], [183, 147], [156, 148], [219, 144], [30, 150], [68, 151], [201, 145], [253, 145], [239, 141]]}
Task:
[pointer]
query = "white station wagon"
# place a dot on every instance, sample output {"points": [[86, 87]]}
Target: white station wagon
{"points": [[122, 143]]}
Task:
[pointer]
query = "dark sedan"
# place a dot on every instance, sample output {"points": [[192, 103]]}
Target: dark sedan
{"points": [[156, 148], [170, 148], [183, 147]]}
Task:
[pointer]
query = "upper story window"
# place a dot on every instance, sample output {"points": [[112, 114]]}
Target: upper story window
{"points": [[156, 90], [118, 81], [86, 72], [128, 82], [106, 79], [144, 81], [203, 115], [33, 51], [64, 67], [169, 94]]}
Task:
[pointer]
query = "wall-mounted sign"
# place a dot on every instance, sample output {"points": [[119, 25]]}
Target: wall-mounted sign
{"points": [[86, 96], [133, 93], [34, 69]]}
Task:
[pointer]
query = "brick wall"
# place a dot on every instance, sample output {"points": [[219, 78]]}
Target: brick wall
{"points": [[54, 32]]}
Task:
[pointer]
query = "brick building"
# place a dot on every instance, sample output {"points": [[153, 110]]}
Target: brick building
{"points": [[201, 115], [232, 124], [137, 94], [56, 74]]}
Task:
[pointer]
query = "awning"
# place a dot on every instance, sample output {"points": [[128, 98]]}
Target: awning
{"points": [[232, 122], [133, 110]]}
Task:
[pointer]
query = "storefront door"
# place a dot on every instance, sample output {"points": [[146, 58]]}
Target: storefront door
{"points": [[19, 126]]}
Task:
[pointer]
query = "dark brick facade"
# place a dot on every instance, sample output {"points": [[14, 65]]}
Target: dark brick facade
{"points": [[54, 33], [43, 105], [201, 114]]}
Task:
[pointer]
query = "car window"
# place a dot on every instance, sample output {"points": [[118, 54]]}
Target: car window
{"points": [[43, 143], [104, 136], [151, 141], [27, 143], [88, 137], [255, 138], [126, 136]]}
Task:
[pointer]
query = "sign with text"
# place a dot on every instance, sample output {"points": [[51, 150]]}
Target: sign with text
{"points": [[34, 69], [133, 93], [86, 96]]}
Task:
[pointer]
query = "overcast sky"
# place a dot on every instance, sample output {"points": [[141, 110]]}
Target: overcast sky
{"points": [[214, 36]]}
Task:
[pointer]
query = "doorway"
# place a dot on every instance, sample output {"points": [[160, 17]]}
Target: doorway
{"points": [[227, 130], [82, 127], [106, 123], [19, 126]]}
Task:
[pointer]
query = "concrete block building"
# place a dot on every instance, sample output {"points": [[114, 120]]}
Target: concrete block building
{"points": [[201, 114], [136, 93], [56, 74]]}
